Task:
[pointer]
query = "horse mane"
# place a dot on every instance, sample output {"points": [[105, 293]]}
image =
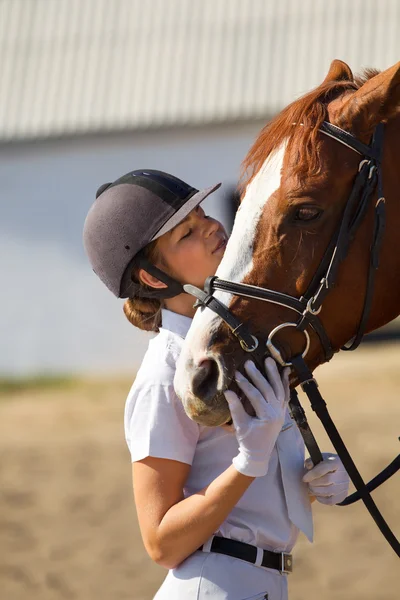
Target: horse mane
{"points": [[303, 117]]}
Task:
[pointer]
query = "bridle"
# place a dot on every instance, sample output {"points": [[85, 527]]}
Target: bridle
{"points": [[308, 307]]}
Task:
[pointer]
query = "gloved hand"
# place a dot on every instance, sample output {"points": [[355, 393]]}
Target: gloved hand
{"points": [[328, 480], [257, 435]]}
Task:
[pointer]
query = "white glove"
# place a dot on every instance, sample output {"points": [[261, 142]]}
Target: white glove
{"points": [[257, 435], [328, 480]]}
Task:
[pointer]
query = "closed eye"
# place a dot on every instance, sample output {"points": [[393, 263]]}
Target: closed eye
{"points": [[187, 234]]}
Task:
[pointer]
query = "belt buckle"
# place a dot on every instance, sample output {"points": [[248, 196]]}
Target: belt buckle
{"points": [[286, 563]]}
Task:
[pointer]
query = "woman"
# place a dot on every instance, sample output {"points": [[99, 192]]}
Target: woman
{"points": [[220, 507]]}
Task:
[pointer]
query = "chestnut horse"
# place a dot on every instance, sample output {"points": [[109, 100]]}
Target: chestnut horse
{"points": [[318, 216], [299, 183]]}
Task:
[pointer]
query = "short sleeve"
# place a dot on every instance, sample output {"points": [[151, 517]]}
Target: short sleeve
{"points": [[157, 425]]}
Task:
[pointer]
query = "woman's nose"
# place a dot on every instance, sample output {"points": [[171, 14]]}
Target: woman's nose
{"points": [[211, 226]]}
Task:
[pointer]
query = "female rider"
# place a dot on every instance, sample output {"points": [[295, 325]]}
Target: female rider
{"points": [[220, 507]]}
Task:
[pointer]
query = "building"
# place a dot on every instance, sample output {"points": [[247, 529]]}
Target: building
{"points": [[92, 89]]}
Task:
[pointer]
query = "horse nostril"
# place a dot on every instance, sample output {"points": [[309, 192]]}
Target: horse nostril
{"points": [[205, 379]]}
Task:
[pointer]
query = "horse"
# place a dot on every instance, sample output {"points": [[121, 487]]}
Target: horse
{"points": [[294, 193], [314, 234]]}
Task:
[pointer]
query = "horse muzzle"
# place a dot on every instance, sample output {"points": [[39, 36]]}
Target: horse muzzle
{"points": [[200, 384]]}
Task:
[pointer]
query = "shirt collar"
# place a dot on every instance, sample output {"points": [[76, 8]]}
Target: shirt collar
{"points": [[178, 324]]}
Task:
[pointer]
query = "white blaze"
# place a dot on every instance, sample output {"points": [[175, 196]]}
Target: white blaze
{"points": [[238, 258]]}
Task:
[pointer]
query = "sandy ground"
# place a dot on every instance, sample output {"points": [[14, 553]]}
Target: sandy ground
{"points": [[68, 527]]}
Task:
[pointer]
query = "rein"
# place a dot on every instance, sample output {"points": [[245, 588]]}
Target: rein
{"points": [[308, 307]]}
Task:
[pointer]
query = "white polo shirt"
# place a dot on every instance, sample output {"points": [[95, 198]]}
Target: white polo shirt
{"points": [[273, 508]]}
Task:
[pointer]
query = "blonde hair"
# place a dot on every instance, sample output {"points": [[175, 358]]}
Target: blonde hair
{"points": [[145, 313]]}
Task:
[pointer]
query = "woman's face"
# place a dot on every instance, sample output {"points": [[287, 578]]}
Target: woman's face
{"points": [[193, 249]]}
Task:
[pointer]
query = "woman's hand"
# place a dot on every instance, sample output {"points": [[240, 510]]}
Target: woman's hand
{"points": [[257, 435], [328, 480]]}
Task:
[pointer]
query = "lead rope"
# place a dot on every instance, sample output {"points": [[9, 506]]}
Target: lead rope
{"points": [[318, 404]]}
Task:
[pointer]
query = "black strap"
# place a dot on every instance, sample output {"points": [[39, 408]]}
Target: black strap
{"points": [[326, 275], [348, 139], [174, 287], [298, 305], [248, 552], [206, 299], [379, 228], [298, 414], [383, 476], [367, 178]]}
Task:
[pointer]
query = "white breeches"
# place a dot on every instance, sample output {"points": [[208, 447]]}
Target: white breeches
{"points": [[217, 576]]}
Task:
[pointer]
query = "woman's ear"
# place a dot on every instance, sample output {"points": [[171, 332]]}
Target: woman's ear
{"points": [[150, 280]]}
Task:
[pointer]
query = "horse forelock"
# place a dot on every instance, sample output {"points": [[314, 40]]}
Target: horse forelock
{"points": [[298, 124]]}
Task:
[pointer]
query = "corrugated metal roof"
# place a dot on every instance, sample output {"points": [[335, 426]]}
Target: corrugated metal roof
{"points": [[76, 66]]}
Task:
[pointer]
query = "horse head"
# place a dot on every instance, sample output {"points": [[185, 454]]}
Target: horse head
{"points": [[296, 186]]}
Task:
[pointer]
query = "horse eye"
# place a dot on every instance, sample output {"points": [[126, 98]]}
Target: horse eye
{"points": [[307, 213]]}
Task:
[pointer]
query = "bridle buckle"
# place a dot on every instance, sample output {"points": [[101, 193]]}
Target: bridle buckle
{"points": [[247, 348], [310, 309]]}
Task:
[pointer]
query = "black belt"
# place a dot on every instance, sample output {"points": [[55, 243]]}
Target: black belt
{"points": [[281, 561]]}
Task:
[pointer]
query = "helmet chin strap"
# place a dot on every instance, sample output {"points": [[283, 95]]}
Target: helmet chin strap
{"points": [[174, 287]]}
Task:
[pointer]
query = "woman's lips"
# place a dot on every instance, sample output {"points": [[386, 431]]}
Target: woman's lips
{"points": [[221, 244]]}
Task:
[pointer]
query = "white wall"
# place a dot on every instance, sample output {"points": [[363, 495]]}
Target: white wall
{"points": [[54, 313]]}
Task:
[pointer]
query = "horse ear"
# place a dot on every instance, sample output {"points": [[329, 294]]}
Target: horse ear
{"points": [[377, 100], [338, 71]]}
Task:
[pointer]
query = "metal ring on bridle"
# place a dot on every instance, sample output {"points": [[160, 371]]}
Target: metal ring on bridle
{"points": [[247, 348], [275, 353]]}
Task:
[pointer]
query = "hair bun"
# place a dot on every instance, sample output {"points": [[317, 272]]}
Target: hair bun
{"points": [[144, 313]]}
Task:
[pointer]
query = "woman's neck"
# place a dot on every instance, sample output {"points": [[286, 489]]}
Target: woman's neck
{"points": [[182, 304]]}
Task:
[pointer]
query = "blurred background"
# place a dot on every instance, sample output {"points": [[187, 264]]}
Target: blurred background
{"points": [[91, 89]]}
